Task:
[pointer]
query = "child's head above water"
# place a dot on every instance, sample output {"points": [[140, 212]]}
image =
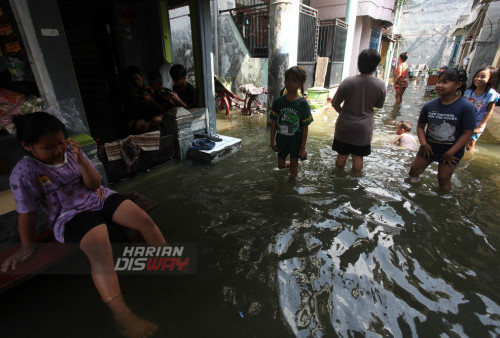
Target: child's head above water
{"points": [[451, 80], [487, 77], [42, 135], [403, 127], [368, 61]]}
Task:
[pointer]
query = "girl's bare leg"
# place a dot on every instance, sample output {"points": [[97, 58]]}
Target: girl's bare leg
{"points": [[418, 166], [340, 161], [95, 244], [445, 171], [398, 97], [357, 163], [283, 163], [130, 215], [294, 167]]}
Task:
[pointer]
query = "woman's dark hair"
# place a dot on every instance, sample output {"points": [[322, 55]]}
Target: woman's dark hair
{"points": [[455, 74], [31, 127], [404, 56], [368, 61], [492, 82], [298, 74], [177, 72]]}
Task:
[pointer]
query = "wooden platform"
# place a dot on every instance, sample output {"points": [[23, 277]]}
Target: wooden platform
{"points": [[228, 145]]}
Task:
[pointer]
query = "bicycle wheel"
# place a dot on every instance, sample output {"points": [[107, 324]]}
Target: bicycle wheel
{"points": [[221, 102]]}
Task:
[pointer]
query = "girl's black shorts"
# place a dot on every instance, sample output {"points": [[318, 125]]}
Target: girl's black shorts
{"points": [[81, 223]]}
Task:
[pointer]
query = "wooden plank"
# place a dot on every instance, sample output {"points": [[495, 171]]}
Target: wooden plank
{"points": [[321, 68], [49, 253]]}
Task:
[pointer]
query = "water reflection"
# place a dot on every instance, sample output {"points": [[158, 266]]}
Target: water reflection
{"points": [[374, 255]]}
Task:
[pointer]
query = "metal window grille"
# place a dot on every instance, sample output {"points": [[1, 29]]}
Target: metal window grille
{"points": [[331, 44], [308, 34], [252, 21]]}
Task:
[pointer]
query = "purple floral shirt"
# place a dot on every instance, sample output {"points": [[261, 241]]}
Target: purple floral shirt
{"points": [[58, 189]]}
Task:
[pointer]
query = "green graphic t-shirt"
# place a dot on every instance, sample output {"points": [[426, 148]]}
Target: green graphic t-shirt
{"points": [[291, 116]]}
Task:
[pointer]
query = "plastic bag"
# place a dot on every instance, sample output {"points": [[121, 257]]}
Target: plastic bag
{"points": [[69, 116]]}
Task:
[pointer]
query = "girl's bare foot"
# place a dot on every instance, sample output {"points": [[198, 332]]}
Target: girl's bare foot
{"points": [[134, 327], [129, 325]]}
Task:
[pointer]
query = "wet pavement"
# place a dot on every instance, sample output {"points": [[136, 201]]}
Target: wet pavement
{"points": [[332, 254]]}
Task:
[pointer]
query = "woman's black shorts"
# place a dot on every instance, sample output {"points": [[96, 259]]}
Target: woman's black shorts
{"points": [[346, 148], [81, 223]]}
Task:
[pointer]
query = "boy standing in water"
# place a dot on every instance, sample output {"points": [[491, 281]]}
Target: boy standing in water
{"points": [[354, 126], [291, 116]]}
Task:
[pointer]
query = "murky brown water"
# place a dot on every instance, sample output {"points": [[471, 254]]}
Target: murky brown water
{"points": [[330, 254]]}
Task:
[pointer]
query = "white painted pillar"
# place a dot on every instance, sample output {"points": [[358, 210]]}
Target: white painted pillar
{"points": [[352, 9], [283, 43]]}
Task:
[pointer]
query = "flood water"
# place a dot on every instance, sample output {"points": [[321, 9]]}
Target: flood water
{"points": [[331, 254]]}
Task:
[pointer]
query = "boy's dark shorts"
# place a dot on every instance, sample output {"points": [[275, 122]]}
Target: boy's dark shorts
{"points": [[346, 148], [439, 149], [83, 222], [288, 145]]}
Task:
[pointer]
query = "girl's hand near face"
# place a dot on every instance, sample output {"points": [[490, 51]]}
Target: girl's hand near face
{"points": [[75, 150]]}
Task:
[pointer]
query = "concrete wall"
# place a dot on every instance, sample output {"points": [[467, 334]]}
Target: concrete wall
{"points": [[377, 9], [182, 44], [487, 42], [234, 59], [426, 28]]}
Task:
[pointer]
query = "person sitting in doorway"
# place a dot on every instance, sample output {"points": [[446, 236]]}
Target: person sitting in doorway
{"points": [[185, 90], [145, 113], [165, 97]]}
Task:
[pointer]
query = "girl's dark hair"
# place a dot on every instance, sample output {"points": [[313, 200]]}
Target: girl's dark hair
{"points": [[298, 74], [455, 74], [492, 82], [404, 56], [31, 127], [368, 61]]}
